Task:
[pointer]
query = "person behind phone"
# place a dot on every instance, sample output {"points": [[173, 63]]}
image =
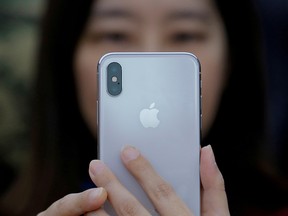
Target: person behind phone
{"points": [[223, 34]]}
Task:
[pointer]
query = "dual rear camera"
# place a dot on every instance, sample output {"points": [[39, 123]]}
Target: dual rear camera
{"points": [[114, 78]]}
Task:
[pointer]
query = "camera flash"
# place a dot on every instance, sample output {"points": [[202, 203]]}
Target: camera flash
{"points": [[114, 79]]}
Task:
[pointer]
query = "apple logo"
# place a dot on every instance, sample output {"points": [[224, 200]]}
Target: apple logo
{"points": [[148, 117]]}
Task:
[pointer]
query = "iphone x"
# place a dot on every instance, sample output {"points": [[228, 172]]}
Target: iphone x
{"points": [[152, 101]]}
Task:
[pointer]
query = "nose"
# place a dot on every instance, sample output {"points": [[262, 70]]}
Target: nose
{"points": [[151, 41]]}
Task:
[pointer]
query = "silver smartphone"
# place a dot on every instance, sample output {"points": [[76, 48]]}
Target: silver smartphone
{"points": [[152, 101]]}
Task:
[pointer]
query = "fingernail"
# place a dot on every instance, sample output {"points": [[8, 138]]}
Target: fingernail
{"points": [[129, 153], [211, 154], [96, 167], [95, 193]]}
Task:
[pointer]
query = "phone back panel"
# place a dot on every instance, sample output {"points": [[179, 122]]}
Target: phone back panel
{"points": [[163, 86]]}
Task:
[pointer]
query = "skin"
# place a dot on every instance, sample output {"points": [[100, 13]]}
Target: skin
{"points": [[166, 201], [137, 25], [163, 25], [162, 195], [78, 203]]}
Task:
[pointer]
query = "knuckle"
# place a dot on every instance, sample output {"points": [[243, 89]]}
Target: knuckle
{"points": [[62, 204], [128, 208], [163, 190]]}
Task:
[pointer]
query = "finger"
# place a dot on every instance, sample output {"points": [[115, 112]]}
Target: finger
{"points": [[121, 199], [213, 195], [78, 203], [99, 212], [160, 192]]}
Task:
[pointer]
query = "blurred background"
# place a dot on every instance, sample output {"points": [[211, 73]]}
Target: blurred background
{"points": [[19, 27], [274, 19], [19, 31]]}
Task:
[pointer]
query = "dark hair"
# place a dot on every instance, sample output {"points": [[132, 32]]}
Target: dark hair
{"points": [[63, 146]]}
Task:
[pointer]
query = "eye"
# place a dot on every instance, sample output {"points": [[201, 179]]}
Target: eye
{"points": [[109, 37], [115, 37], [183, 37]]}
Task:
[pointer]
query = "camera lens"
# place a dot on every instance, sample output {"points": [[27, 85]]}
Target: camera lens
{"points": [[114, 67], [114, 78]]}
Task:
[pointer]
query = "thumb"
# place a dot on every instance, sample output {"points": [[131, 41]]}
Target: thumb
{"points": [[214, 200]]}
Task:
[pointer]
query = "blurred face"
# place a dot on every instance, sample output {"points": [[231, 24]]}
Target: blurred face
{"points": [[153, 25]]}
